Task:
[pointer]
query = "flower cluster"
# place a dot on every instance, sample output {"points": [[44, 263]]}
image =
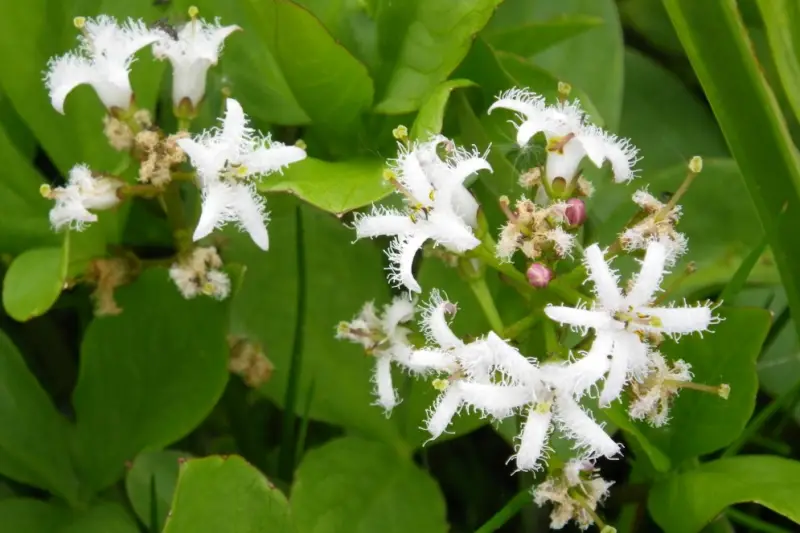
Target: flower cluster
{"points": [[82, 192], [438, 205], [621, 329], [201, 273]]}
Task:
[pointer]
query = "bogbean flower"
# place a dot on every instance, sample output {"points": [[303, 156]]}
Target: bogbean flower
{"points": [[623, 323], [103, 60], [227, 160], [194, 48], [658, 225], [439, 207], [201, 273], [574, 493], [534, 230], [570, 136], [82, 192], [385, 338], [654, 394]]}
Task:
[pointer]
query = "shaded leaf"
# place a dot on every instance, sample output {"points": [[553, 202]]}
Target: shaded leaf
{"points": [[33, 282], [23, 515], [431, 114], [533, 37], [781, 19], [153, 471]]}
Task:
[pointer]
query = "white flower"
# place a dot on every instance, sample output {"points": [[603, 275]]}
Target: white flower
{"points": [[621, 322], [195, 50], [200, 273], [81, 193], [386, 339], [578, 477], [440, 207], [570, 137], [227, 159], [656, 226], [102, 60], [655, 393]]}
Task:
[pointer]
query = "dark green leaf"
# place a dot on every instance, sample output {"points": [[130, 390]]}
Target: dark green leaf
{"points": [[716, 42], [226, 494], [33, 282], [153, 472], [35, 440], [700, 422], [352, 484], [147, 376], [22, 515], [431, 114], [533, 37], [425, 43], [781, 19], [686, 502], [334, 187]]}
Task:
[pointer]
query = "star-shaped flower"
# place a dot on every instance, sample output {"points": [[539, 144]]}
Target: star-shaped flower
{"points": [[622, 323], [82, 192], [440, 208], [570, 136], [227, 160], [192, 53], [102, 60]]}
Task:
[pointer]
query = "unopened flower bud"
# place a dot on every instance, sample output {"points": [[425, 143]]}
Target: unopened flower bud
{"points": [[539, 276], [696, 164], [575, 211]]}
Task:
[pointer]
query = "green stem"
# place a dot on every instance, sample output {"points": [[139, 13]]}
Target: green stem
{"points": [[762, 418], [486, 301], [520, 326], [756, 524], [184, 124], [173, 205], [509, 511], [143, 190]]}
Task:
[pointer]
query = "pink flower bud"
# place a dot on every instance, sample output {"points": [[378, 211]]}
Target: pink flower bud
{"points": [[539, 276], [576, 211]]}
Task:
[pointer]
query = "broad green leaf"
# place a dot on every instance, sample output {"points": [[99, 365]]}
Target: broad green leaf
{"points": [[23, 515], [431, 115], [35, 440], [715, 40], [148, 376], [249, 66], [33, 282], [591, 61], [331, 86], [351, 485], [700, 422], [781, 19], [531, 38], [226, 494], [617, 415], [649, 19], [425, 43], [334, 187], [25, 223], [686, 502], [153, 471]]}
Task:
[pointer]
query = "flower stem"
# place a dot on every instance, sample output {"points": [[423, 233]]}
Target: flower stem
{"points": [[173, 205], [753, 523], [476, 278], [509, 511], [145, 191], [519, 327]]}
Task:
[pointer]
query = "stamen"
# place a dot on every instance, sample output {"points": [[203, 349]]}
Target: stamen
{"points": [[695, 167], [557, 144]]}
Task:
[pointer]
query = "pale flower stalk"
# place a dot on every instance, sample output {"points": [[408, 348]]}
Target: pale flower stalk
{"points": [[83, 192], [103, 59], [196, 49], [624, 322], [227, 160], [439, 207]]}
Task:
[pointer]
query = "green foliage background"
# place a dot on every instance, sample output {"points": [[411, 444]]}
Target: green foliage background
{"points": [[133, 423]]}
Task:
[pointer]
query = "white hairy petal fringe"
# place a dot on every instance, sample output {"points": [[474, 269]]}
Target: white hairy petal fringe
{"points": [[382, 221], [618, 371], [648, 280], [250, 208], [581, 318], [431, 360], [387, 396], [447, 405], [533, 438], [496, 401], [434, 322], [604, 278], [579, 426], [680, 320], [517, 368], [399, 311], [401, 253]]}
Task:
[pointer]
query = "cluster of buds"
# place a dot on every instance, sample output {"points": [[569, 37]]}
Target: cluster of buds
{"points": [[159, 155], [120, 133], [535, 230], [574, 492], [201, 272]]}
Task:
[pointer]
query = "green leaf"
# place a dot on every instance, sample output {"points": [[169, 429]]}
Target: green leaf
{"points": [[153, 470], [617, 415], [686, 502], [35, 438], [226, 494], [33, 282], [700, 422], [23, 515], [148, 376], [431, 114], [332, 86], [424, 44], [781, 19], [334, 187], [531, 38], [591, 61], [716, 42], [649, 19], [354, 485]]}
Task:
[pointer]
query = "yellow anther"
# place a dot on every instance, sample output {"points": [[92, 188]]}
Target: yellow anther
{"points": [[208, 288], [79, 22], [431, 195], [696, 164], [389, 175], [45, 190], [542, 408], [564, 89], [440, 384], [193, 11], [241, 170], [724, 391], [400, 133], [655, 322]]}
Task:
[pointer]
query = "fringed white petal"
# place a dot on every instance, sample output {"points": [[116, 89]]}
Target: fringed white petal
{"points": [[411, 175], [587, 433], [218, 201], [271, 158], [581, 318], [382, 221], [497, 401], [442, 412], [679, 320], [399, 311], [401, 253], [450, 231], [250, 210], [463, 168], [517, 368], [533, 437], [235, 130], [618, 371], [465, 205], [431, 360], [522, 101], [387, 396], [651, 273], [605, 279], [565, 164], [64, 73], [434, 323], [585, 372]]}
